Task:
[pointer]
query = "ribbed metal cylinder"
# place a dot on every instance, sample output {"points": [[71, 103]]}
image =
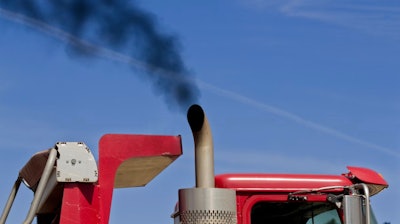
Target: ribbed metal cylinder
{"points": [[206, 206]]}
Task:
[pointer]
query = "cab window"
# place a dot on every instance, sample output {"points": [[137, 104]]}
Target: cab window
{"points": [[294, 213]]}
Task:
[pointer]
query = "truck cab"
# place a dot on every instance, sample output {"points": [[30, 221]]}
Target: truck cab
{"points": [[303, 198]]}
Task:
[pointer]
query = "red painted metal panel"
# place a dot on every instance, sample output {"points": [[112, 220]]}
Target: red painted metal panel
{"points": [[366, 175], [114, 149], [80, 204], [88, 203], [278, 182]]}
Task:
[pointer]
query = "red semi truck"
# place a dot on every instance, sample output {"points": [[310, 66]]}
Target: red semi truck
{"points": [[70, 187]]}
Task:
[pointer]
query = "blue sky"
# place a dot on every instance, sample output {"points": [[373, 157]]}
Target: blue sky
{"points": [[288, 86]]}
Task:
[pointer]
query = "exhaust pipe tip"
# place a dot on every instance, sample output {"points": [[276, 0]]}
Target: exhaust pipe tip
{"points": [[195, 117]]}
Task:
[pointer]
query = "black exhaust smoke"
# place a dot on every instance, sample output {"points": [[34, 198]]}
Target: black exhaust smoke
{"points": [[123, 27]]}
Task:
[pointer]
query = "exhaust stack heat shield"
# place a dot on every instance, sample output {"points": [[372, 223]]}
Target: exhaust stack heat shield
{"points": [[207, 206]]}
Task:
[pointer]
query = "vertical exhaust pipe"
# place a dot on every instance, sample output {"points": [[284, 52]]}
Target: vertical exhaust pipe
{"points": [[204, 204], [204, 149]]}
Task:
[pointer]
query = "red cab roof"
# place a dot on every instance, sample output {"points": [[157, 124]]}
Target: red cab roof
{"points": [[299, 182], [279, 182]]}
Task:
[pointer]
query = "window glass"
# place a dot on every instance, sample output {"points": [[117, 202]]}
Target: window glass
{"points": [[372, 217], [328, 217], [294, 213]]}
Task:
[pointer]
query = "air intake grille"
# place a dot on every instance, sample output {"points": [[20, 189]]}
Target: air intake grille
{"points": [[208, 217]]}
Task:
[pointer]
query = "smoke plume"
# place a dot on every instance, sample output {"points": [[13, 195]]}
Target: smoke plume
{"points": [[121, 27]]}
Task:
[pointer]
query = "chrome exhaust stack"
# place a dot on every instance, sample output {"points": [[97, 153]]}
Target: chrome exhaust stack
{"points": [[204, 149], [204, 204]]}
